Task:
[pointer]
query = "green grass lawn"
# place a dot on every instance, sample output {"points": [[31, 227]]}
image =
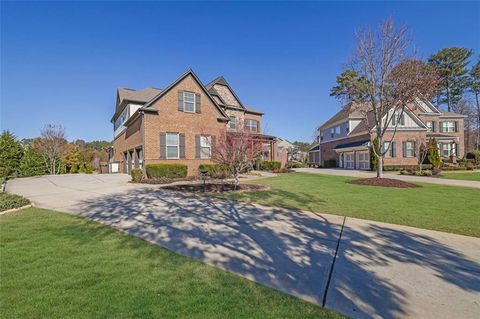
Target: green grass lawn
{"points": [[54, 265], [464, 175], [444, 208]]}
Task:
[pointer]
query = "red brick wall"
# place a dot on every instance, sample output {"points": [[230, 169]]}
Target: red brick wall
{"points": [[169, 119]]}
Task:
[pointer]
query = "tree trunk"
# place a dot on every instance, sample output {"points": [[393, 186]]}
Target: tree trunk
{"points": [[448, 98], [379, 166]]}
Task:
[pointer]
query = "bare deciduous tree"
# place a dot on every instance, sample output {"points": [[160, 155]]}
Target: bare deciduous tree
{"points": [[388, 79], [51, 145], [238, 151]]}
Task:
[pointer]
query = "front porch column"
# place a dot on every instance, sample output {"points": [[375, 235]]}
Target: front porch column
{"points": [[272, 151]]}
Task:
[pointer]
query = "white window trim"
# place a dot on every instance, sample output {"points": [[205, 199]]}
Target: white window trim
{"points": [[194, 102], [412, 148], [250, 127], [176, 145], [446, 127], [207, 145], [234, 122], [429, 128]]}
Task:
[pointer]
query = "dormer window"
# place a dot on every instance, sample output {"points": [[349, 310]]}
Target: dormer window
{"points": [[189, 102], [232, 123]]}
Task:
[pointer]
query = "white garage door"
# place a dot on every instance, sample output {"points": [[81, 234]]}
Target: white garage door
{"points": [[363, 160], [349, 159]]}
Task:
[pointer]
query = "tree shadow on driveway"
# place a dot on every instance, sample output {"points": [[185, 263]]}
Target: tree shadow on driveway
{"points": [[284, 249]]}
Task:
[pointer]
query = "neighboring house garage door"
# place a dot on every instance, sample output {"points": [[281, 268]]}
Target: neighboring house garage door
{"points": [[363, 160], [349, 160]]}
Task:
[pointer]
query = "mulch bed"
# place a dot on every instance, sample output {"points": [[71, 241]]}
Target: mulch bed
{"points": [[216, 188], [164, 180], [383, 182]]}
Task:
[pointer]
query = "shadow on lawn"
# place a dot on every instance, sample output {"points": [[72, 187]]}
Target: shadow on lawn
{"points": [[287, 250]]}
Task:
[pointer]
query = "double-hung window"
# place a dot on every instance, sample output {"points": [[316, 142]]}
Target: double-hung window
{"points": [[189, 102], [332, 132], [232, 123], [409, 149], [398, 120], [389, 148], [205, 146], [251, 125], [447, 149], [172, 145], [448, 127], [430, 126]]}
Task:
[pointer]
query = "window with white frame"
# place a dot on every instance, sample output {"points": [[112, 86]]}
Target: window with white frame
{"points": [[205, 146], [388, 147], [430, 126], [321, 135], [172, 140], [189, 102], [398, 120], [337, 130], [232, 123], [332, 132], [447, 149], [409, 149], [448, 126], [251, 125]]}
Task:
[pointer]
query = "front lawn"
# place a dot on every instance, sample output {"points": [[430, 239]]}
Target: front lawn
{"points": [[437, 207], [464, 175], [55, 265]]}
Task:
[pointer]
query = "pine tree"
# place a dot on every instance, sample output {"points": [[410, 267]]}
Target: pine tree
{"points": [[451, 66], [32, 163], [433, 154], [11, 153], [475, 88]]}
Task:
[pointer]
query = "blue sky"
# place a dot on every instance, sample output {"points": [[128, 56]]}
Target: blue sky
{"points": [[61, 62]]}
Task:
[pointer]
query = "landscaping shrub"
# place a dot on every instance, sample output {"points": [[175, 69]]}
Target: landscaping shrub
{"points": [[427, 172], [330, 163], [474, 155], [215, 170], [32, 163], [137, 175], [433, 155], [9, 201], [270, 165], [166, 170], [389, 168], [295, 164]]}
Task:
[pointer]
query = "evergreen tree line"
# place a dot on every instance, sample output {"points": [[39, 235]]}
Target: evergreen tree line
{"points": [[50, 153]]}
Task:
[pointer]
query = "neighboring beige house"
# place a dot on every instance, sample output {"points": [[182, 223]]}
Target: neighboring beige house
{"points": [[345, 141], [179, 124]]}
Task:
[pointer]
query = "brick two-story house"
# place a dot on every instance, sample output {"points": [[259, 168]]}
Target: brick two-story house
{"points": [[345, 140], [178, 124]]}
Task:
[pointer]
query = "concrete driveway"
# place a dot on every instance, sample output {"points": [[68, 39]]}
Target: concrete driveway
{"points": [[362, 269]]}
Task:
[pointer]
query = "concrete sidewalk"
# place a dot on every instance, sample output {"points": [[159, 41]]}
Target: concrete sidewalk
{"points": [[395, 175], [360, 268]]}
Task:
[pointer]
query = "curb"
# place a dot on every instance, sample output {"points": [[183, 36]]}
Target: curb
{"points": [[15, 209]]}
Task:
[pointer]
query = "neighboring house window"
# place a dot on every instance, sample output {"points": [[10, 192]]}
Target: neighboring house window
{"points": [[390, 147], [321, 136], [205, 146], [347, 129], [189, 102], [251, 125], [398, 119], [448, 127], [337, 130], [430, 126], [233, 122], [172, 145], [409, 149], [447, 149], [332, 132]]}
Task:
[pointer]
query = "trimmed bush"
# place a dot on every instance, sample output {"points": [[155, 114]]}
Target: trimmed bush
{"points": [[270, 165], [166, 170], [295, 164], [215, 170], [433, 155], [390, 168], [427, 172], [137, 175], [330, 163], [9, 201]]}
